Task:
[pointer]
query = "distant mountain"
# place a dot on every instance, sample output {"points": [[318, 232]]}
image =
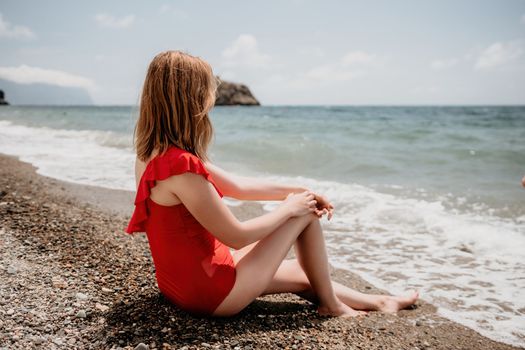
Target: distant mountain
{"points": [[43, 94]]}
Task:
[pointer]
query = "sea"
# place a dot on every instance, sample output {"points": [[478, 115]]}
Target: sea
{"points": [[426, 197]]}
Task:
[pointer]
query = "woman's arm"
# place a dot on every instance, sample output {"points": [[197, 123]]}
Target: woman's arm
{"points": [[249, 188], [204, 203]]}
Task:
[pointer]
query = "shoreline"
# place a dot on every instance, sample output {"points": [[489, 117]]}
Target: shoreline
{"points": [[72, 278]]}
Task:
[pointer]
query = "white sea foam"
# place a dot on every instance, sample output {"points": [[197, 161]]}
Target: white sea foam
{"points": [[469, 264], [71, 155]]}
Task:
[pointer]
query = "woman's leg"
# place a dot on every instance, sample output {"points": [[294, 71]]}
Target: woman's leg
{"points": [[256, 269], [311, 253], [290, 278]]}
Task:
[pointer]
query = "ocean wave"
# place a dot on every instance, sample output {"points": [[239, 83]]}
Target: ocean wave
{"points": [[72, 155]]}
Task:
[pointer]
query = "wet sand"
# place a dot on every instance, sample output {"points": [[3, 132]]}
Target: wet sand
{"points": [[70, 278]]}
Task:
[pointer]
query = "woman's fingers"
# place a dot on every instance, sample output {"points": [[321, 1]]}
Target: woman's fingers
{"points": [[318, 204], [320, 212]]}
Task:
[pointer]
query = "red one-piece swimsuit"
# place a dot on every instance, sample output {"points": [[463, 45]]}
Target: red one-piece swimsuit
{"points": [[194, 270]]}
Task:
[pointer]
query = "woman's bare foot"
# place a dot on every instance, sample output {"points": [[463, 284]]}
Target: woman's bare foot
{"points": [[392, 304], [341, 310]]}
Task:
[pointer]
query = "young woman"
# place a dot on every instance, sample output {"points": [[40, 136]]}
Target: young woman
{"points": [[189, 228]]}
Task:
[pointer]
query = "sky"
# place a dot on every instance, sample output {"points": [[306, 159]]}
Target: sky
{"points": [[288, 52]]}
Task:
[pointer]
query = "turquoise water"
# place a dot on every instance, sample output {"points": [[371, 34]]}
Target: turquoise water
{"points": [[472, 152], [425, 197]]}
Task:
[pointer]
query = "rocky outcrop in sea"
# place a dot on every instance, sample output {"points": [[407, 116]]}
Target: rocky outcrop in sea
{"points": [[2, 98], [229, 94]]}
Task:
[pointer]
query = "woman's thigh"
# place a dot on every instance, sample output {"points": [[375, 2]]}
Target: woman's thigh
{"points": [[289, 277]]}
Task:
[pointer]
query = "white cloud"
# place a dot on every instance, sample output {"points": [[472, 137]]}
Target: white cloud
{"points": [[9, 30], [107, 20], [499, 54], [244, 51], [178, 13], [444, 63], [358, 57], [24, 74]]}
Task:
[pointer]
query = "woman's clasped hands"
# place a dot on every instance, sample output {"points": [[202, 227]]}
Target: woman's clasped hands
{"points": [[306, 202]]}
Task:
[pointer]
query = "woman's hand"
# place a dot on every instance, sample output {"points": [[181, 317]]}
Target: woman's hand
{"points": [[323, 206], [300, 204]]}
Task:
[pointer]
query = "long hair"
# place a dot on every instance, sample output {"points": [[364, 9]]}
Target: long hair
{"points": [[179, 91]]}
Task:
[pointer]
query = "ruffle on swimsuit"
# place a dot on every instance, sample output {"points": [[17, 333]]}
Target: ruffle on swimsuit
{"points": [[174, 161]]}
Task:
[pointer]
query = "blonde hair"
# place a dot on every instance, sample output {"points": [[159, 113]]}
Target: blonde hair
{"points": [[179, 91]]}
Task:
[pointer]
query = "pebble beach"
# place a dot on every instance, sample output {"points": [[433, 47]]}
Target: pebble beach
{"points": [[70, 278]]}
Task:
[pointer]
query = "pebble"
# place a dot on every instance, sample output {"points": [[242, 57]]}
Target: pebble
{"points": [[10, 312], [141, 346], [102, 307], [107, 290], [11, 270], [81, 296], [81, 314], [58, 282], [38, 340]]}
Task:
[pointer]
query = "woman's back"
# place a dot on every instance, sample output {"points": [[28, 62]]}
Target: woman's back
{"points": [[193, 268]]}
